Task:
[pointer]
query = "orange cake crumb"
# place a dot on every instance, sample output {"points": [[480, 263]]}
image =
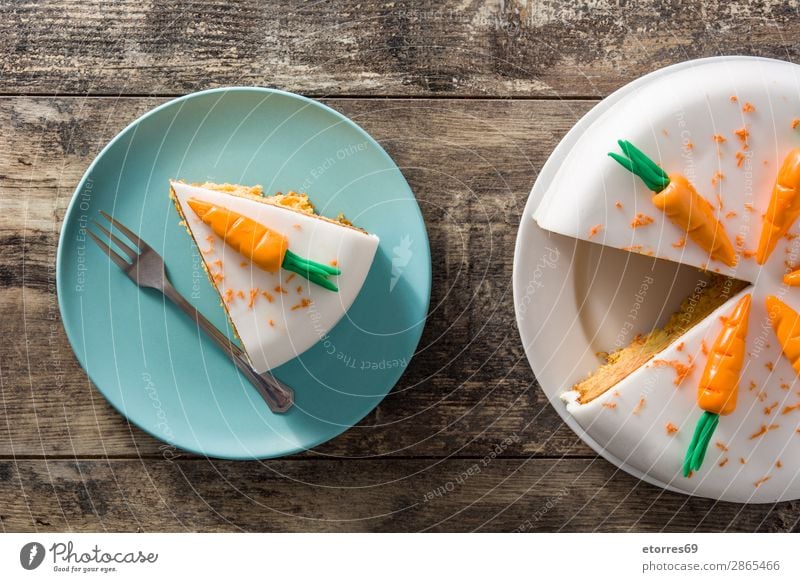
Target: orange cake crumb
{"points": [[681, 370], [715, 179], [689, 145], [618, 204], [641, 220], [723, 462], [334, 263], [769, 366], [719, 201], [243, 264], [703, 347], [680, 243], [718, 138], [761, 481], [748, 107], [595, 229], [633, 248], [768, 409], [734, 99], [253, 295], [217, 263], [271, 323], [749, 206], [731, 214], [279, 289], [609, 404], [763, 430], [790, 408], [680, 346], [743, 134], [639, 405], [240, 294], [299, 289], [742, 461], [290, 277], [795, 122], [218, 277], [304, 302], [721, 446], [739, 159], [267, 296], [228, 296], [671, 429], [778, 464], [210, 238]]}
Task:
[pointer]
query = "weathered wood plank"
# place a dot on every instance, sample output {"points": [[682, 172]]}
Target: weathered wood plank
{"points": [[505, 47], [388, 495], [471, 164]]}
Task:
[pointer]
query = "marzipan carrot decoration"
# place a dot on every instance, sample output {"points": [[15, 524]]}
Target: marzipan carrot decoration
{"points": [[719, 385], [784, 206], [678, 199], [792, 279], [786, 323], [265, 247]]}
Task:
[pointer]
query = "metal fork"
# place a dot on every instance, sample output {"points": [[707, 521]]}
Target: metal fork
{"points": [[146, 269]]}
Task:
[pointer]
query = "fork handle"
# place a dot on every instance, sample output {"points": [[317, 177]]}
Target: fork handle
{"points": [[277, 395]]}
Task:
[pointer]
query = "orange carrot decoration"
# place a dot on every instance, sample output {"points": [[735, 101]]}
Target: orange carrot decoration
{"points": [[680, 202], [719, 385], [792, 279], [784, 206], [265, 247], [786, 323]]}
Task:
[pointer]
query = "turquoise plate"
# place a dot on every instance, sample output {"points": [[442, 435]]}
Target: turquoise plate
{"points": [[149, 360]]}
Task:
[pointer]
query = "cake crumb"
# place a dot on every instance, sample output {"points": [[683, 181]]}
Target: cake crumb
{"points": [[704, 347], [761, 481], [279, 289], [739, 159], [721, 446], [595, 229], [743, 134], [266, 295], [768, 409], [664, 131], [271, 323], [769, 366], [778, 464], [733, 99], [723, 462], [641, 220], [228, 296], [609, 404], [671, 429], [299, 289], [240, 294], [680, 346], [618, 205], [680, 243], [790, 408], [639, 406], [681, 370], [718, 138], [731, 214], [742, 461], [716, 179], [253, 295], [218, 277], [763, 430], [217, 263], [748, 107], [304, 302], [243, 264], [795, 122], [210, 239], [297, 227], [749, 206]]}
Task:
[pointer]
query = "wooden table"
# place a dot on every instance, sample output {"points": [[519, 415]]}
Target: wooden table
{"points": [[469, 100]]}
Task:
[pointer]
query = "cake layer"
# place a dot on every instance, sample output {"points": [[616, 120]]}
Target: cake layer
{"points": [[278, 316], [647, 420]]}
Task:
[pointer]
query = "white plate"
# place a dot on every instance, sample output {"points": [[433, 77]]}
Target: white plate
{"points": [[562, 325]]}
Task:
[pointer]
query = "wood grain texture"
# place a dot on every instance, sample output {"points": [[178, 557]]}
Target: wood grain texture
{"points": [[471, 164], [545, 48], [372, 495]]}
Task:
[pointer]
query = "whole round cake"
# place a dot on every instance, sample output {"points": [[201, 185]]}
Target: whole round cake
{"points": [[699, 166]]}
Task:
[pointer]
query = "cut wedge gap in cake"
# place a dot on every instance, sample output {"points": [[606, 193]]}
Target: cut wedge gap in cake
{"points": [[284, 274], [621, 362]]}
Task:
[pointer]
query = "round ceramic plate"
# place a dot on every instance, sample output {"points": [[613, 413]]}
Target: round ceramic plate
{"points": [[561, 323], [149, 360]]}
